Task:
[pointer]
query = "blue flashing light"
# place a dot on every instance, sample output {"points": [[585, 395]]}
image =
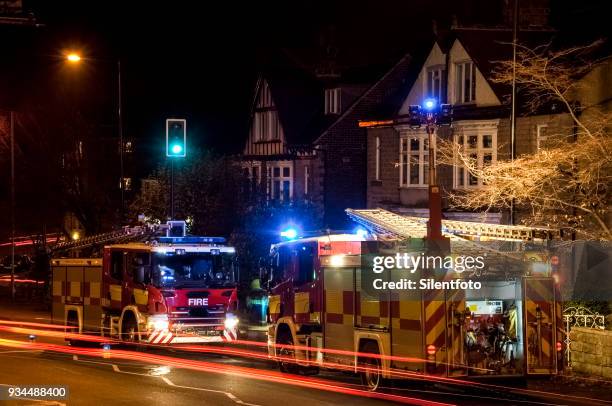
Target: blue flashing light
{"points": [[361, 232], [290, 233], [429, 104]]}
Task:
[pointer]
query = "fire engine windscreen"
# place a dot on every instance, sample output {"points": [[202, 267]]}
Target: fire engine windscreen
{"points": [[200, 269]]}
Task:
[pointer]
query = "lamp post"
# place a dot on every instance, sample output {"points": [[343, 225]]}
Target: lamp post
{"points": [[12, 141], [75, 58], [432, 115]]}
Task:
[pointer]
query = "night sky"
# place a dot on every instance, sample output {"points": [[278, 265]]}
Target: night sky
{"points": [[201, 61]]}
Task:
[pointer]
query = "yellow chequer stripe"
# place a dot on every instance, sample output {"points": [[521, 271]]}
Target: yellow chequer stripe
{"points": [[115, 292], [302, 303], [274, 304], [57, 288], [333, 301], [75, 289], [370, 308], [141, 296], [94, 290]]}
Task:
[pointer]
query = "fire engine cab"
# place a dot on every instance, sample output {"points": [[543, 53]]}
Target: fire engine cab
{"points": [[168, 290], [322, 315]]}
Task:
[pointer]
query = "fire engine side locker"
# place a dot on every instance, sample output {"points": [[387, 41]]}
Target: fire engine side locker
{"points": [[77, 287]]}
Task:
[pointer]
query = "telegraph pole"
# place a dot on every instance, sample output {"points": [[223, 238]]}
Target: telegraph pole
{"points": [[513, 112], [433, 115], [120, 124], [12, 136]]}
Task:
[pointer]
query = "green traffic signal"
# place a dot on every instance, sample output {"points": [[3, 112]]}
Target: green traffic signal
{"points": [[177, 149], [176, 138]]}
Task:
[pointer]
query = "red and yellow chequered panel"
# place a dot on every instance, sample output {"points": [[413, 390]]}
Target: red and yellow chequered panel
{"points": [[339, 297], [539, 293]]}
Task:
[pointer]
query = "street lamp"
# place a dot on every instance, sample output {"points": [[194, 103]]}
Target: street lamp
{"points": [[75, 58]]}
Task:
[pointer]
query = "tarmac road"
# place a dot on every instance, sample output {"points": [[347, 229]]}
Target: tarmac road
{"points": [[170, 377]]}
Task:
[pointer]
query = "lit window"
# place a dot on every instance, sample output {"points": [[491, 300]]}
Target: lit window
{"points": [[266, 126], [479, 146], [332, 101], [306, 179], [436, 78], [128, 147], [541, 136], [265, 96], [414, 160], [465, 82], [280, 181], [127, 183]]}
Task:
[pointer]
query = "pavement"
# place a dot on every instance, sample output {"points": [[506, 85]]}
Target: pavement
{"points": [[166, 376]]}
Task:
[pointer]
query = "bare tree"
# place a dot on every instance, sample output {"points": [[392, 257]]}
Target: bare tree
{"points": [[566, 184]]}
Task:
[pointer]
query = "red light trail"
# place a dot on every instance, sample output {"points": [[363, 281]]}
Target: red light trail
{"points": [[203, 366]]}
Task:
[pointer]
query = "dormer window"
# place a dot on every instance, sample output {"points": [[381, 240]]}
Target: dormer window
{"points": [[465, 82], [436, 81], [332, 101]]}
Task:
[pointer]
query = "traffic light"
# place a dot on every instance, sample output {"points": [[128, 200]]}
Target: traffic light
{"points": [[176, 137]]}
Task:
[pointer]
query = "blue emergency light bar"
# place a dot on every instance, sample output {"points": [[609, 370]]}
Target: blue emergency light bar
{"points": [[192, 240]]}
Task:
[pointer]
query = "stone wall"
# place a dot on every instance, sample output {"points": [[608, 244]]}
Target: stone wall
{"points": [[591, 352]]}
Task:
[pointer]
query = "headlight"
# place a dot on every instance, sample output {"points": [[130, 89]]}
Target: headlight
{"points": [[231, 321], [158, 322]]}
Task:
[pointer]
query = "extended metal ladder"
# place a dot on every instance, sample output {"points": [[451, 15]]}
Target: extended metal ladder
{"points": [[125, 234], [391, 226], [406, 226]]}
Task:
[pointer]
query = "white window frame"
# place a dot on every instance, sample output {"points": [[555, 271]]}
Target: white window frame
{"points": [[377, 159], [281, 179], [332, 101], [266, 126], [306, 179], [539, 137], [461, 136], [422, 155], [265, 96], [437, 72], [460, 91]]}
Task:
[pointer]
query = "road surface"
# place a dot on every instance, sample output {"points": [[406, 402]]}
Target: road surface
{"points": [[126, 375]]}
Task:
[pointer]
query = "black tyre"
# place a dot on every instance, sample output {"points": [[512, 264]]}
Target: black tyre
{"points": [[288, 353], [371, 376], [73, 321], [129, 331]]}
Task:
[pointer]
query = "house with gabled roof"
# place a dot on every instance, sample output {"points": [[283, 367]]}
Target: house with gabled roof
{"points": [[305, 142], [457, 71]]}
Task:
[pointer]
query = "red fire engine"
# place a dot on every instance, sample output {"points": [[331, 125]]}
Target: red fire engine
{"points": [[322, 316], [169, 290]]}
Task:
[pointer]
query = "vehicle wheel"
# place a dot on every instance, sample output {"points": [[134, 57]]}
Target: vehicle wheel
{"points": [[129, 332], [73, 321], [371, 377], [287, 366]]}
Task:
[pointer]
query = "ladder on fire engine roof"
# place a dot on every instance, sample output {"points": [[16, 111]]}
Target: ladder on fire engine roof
{"points": [[392, 224], [126, 234]]}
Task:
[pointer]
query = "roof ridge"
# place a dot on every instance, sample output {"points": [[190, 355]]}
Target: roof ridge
{"points": [[363, 96]]}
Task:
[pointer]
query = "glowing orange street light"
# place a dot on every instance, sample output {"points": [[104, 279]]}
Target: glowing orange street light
{"points": [[73, 57]]}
